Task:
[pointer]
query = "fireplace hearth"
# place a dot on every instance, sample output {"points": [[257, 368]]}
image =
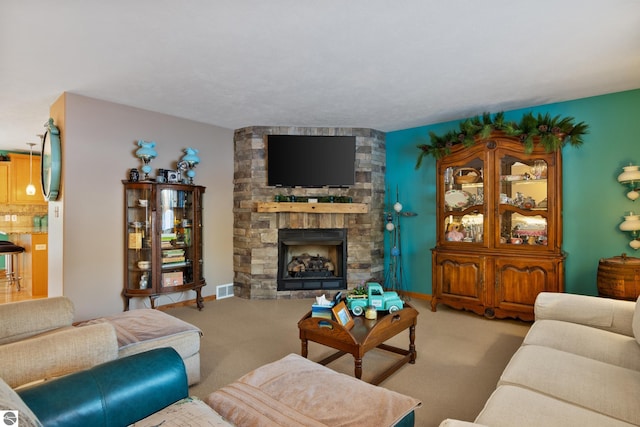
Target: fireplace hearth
{"points": [[312, 259]]}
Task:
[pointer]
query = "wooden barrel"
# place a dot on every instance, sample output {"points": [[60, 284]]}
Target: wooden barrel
{"points": [[619, 277]]}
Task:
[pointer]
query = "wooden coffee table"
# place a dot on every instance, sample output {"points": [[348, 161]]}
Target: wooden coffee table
{"points": [[363, 336]]}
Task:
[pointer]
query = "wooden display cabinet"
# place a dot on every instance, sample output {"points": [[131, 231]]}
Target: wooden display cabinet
{"points": [[499, 237], [163, 240]]}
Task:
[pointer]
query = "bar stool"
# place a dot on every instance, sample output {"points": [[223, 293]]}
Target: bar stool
{"points": [[12, 263]]}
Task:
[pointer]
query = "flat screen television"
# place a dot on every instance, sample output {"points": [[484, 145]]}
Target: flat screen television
{"points": [[310, 161]]}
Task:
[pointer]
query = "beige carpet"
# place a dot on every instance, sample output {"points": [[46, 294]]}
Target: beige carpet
{"points": [[460, 355]]}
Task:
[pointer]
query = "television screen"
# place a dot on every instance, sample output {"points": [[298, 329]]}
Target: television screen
{"points": [[310, 161]]}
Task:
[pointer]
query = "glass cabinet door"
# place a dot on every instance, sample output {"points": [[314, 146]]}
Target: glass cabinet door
{"points": [[139, 201], [198, 229], [522, 201], [464, 202], [176, 215]]}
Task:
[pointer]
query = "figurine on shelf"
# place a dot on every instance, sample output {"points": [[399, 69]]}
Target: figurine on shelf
{"points": [[143, 281], [453, 233], [529, 203]]}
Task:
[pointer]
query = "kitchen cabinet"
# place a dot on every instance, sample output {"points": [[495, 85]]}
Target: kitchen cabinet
{"points": [[499, 236], [20, 176], [40, 264], [163, 240], [4, 182], [34, 259]]}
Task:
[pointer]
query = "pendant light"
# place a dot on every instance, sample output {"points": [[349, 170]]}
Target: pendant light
{"points": [[31, 189]]}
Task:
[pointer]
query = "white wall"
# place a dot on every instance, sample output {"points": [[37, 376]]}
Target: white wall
{"points": [[98, 151]]}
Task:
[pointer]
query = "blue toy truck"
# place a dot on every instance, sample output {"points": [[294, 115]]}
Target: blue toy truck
{"points": [[376, 297]]}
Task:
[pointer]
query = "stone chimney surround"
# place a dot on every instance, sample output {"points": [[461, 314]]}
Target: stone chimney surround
{"points": [[257, 218]]}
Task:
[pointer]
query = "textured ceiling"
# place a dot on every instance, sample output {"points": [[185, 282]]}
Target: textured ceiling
{"points": [[386, 64]]}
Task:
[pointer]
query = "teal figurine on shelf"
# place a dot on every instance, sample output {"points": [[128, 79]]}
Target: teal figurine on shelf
{"points": [[191, 159]]}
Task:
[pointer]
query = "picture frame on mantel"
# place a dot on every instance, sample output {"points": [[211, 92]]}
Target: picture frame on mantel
{"points": [[342, 315]]}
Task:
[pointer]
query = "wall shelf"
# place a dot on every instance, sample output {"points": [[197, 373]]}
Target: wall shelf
{"points": [[339, 208]]}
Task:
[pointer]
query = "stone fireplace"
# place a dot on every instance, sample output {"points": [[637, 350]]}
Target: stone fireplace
{"points": [[258, 220]]}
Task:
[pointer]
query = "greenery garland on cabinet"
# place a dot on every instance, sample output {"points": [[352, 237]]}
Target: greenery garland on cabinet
{"points": [[553, 133]]}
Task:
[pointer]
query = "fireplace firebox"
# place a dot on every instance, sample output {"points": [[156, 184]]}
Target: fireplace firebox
{"points": [[312, 259]]}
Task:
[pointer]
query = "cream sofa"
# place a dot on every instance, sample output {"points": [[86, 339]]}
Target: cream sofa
{"points": [[579, 365], [39, 341]]}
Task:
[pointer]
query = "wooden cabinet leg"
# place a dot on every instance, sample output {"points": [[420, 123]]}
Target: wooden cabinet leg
{"points": [[199, 299], [305, 348]]}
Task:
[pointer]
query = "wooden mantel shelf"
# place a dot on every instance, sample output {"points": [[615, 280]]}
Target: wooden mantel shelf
{"points": [[344, 208]]}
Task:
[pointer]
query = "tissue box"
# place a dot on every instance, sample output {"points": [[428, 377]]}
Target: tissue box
{"points": [[323, 311]]}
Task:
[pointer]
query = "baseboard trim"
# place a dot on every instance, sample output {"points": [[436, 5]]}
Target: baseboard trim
{"points": [[416, 295], [185, 303]]}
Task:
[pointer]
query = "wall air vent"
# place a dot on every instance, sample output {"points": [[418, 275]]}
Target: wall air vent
{"points": [[224, 291]]}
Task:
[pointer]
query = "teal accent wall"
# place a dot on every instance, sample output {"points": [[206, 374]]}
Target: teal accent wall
{"points": [[593, 204]]}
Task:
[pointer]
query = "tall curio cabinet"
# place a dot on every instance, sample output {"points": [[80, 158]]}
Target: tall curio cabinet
{"points": [[499, 236], [163, 240]]}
